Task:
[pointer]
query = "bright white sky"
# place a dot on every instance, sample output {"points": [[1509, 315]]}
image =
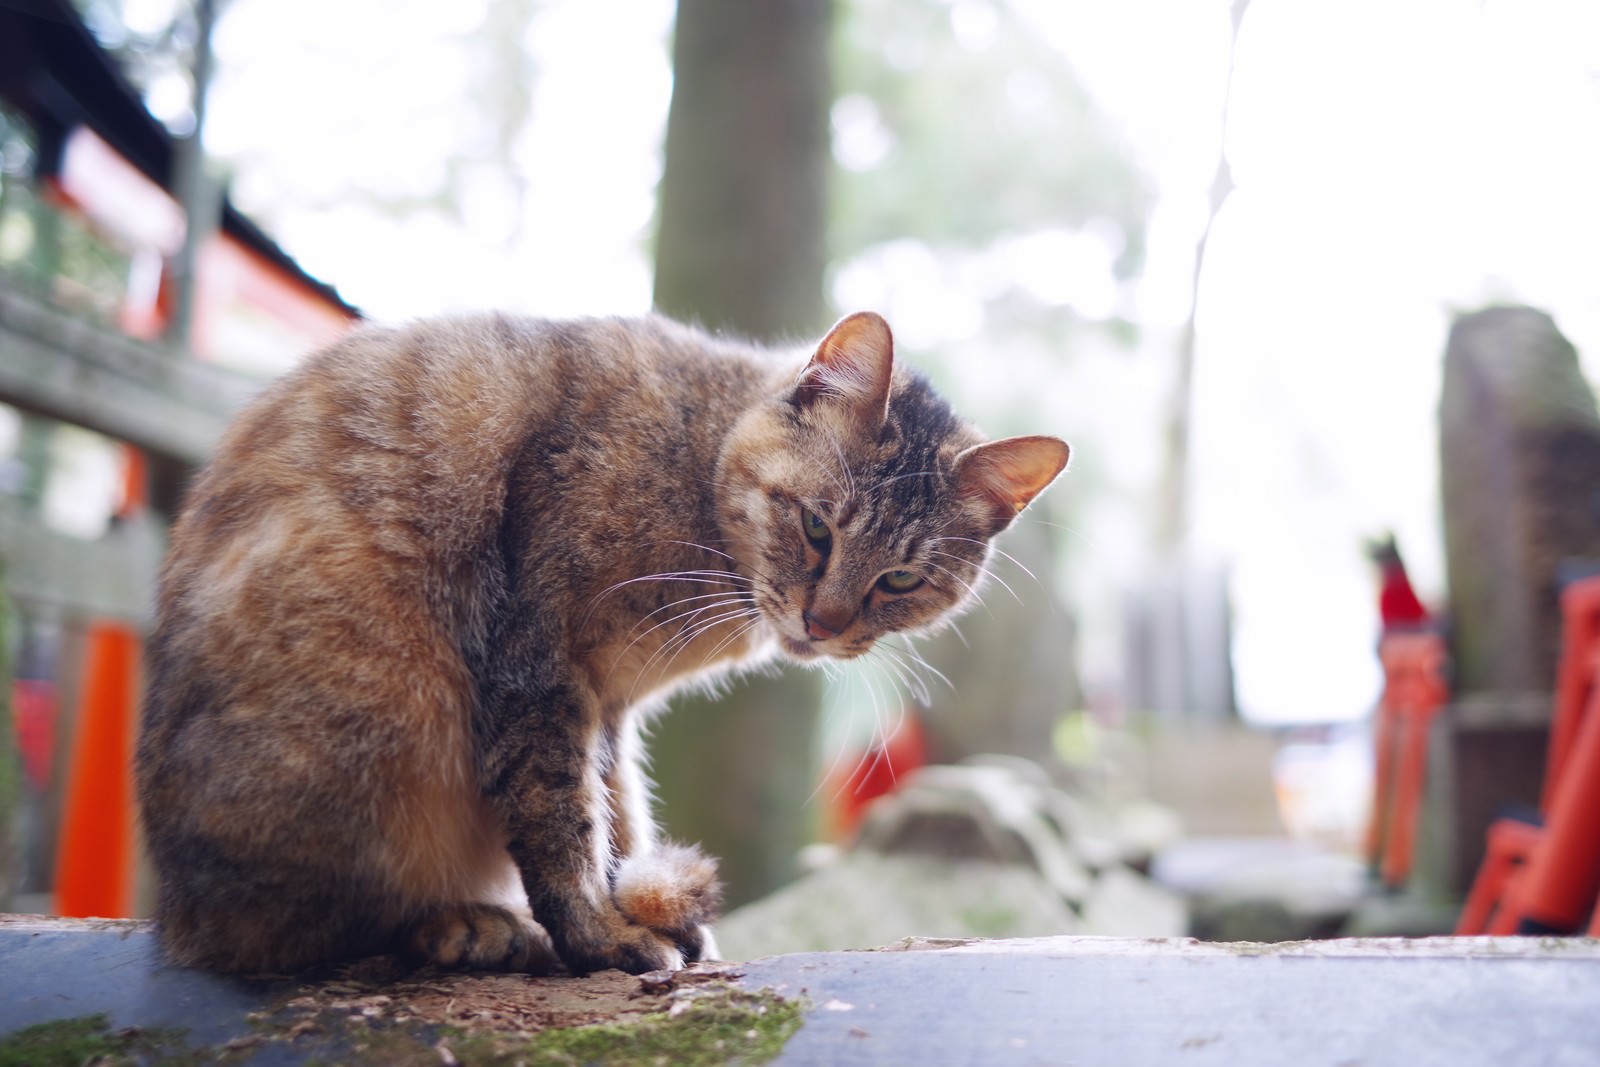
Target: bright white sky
{"points": [[1394, 160]]}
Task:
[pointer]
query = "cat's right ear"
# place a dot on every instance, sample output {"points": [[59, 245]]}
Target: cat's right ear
{"points": [[851, 367], [1005, 476]]}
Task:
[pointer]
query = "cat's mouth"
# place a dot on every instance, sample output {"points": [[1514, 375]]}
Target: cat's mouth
{"points": [[807, 650], [799, 649]]}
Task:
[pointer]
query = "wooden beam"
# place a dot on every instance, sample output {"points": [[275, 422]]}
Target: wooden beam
{"points": [[112, 577], [57, 365]]}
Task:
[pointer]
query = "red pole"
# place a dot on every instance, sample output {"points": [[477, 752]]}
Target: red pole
{"points": [[1575, 677], [1510, 843], [94, 862], [1386, 733], [1558, 889], [1414, 693]]}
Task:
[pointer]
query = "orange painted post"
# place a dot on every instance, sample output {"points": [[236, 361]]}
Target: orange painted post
{"points": [[1547, 877], [95, 856], [1414, 691], [1575, 676], [134, 492], [1510, 843], [1386, 731], [1556, 892]]}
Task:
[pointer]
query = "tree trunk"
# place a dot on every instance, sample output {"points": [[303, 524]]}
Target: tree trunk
{"points": [[741, 247], [742, 239]]}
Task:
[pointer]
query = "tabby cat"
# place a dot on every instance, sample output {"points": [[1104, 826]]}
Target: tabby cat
{"points": [[419, 605]]}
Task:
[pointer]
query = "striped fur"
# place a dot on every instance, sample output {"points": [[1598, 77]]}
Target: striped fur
{"points": [[416, 607]]}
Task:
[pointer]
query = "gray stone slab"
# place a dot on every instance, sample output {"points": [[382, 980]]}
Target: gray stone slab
{"points": [[1082, 1001], [1058, 1001], [51, 970]]}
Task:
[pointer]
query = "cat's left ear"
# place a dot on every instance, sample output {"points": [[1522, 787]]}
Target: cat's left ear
{"points": [[1007, 475], [851, 367]]}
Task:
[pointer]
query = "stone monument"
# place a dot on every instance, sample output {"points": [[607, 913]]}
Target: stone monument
{"points": [[1519, 465]]}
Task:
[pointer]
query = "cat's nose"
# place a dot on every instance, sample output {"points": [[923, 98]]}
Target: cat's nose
{"points": [[820, 627]]}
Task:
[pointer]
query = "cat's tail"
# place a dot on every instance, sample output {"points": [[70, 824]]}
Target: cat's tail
{"points": [[673, 890]]}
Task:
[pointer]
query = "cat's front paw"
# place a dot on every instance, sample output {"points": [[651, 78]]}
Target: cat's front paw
{"points": [[631, 948], [699, 945], [480, 937]]}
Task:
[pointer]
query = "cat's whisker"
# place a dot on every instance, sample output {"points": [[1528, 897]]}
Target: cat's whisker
{"points": [[1071, 531], [880, 746], [918, 661], [1003, 554], [684, 618], [955, 628], [686, 600], [702, 577], [681, 642], [915, 688], [844, 682], [856, 678], [717, 601], [718, 552], [755, 620], [693, 628], [971, 589], [675, 645], [987, 572], [698, 545], [873, 750]]}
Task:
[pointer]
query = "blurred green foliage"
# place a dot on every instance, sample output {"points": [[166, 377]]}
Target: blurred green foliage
{"points": [[983, 132]]}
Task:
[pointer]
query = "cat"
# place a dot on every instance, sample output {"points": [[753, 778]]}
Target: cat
{"points": [[419, 605]]}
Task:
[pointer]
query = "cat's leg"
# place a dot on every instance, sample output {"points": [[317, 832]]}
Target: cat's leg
{"points": [[670, 888], [541, 758]]}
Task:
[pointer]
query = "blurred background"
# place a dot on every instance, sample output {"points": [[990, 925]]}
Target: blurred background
{"points": [[1222, 246]]}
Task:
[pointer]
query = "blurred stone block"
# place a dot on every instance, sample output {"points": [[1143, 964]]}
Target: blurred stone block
{"points": [[1519, 463]]}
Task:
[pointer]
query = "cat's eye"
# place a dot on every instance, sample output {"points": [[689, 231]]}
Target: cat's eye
{"points": [[899, 581], [816, 530]]}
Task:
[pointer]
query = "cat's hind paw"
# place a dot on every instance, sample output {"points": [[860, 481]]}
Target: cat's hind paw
{"points": [[481, 937], [672, 890]]}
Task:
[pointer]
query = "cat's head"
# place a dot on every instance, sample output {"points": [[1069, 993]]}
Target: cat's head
{"points": [[858, 504]]}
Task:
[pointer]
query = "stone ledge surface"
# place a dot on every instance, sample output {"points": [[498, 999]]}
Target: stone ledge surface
{"points": [[1055, 1000]]}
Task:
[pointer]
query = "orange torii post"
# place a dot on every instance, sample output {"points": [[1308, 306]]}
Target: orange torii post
{"points": [[95, 858], [1413, 692], [1555, 891], [1545, 875], [1386, 733]]}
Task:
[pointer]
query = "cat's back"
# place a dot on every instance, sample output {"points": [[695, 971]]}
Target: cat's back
{"points": [[417, 426]]}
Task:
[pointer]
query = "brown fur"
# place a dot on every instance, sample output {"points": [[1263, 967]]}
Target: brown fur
{"points": [[415, 603]]}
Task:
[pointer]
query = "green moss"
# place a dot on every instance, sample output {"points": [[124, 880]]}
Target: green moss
{"points": [[720, 1026], [726, 1027], [90, 1039]]}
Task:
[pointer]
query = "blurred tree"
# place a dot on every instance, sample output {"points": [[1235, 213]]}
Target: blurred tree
{"points": [[957, 124], [742, 239], [741, 247]]}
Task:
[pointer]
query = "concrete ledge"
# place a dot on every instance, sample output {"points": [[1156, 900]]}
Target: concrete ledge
{"points": [[1078, 1000]]}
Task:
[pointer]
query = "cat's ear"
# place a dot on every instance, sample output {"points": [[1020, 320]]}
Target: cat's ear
{"points": [[1007, 475], [851, 367]]}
